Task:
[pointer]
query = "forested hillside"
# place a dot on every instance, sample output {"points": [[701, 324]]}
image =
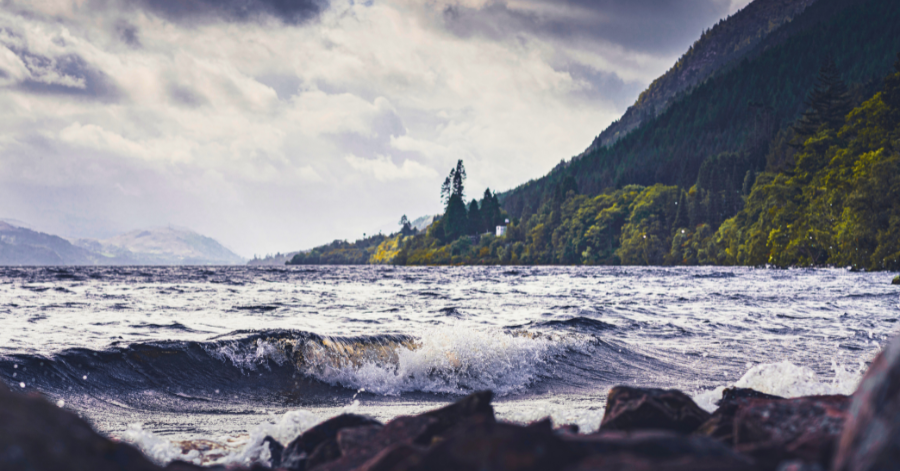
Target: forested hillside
{"points": [[740, 110], [728, 41]]}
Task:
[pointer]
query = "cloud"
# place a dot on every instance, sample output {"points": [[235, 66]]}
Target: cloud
{"points": [[384, 170]]}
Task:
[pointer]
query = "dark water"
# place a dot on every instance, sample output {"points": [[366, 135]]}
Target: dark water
{"points": [[220, 352]]}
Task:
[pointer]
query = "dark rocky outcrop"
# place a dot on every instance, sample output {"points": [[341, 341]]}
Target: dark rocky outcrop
{"points": [[324, 435], [871, 436], [36, 435], [720, 425], [805, 429], [655, 409]]}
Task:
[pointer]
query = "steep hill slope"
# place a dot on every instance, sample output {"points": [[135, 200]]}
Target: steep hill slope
{"points": [[728, 41], [741, 109]]}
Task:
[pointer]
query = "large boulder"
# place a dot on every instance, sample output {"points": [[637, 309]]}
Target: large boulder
{"points": [[805, 429], [651, 409], [871, 436], [36, 435], [720, 425], [408, 436], [653, 449], [320, 440]]}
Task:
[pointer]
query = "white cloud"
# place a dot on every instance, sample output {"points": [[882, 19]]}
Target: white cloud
{"points": [[383, 169]]}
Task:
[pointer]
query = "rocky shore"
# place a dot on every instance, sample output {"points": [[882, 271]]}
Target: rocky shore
{"points": [[642, 429]]}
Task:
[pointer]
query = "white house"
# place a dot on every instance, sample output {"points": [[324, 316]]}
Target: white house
{"points": [[501, 231]]}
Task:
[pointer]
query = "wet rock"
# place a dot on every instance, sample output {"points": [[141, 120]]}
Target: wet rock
{"points": [[657, 447], [275, 449], [896, 280], [417, 431], [401, 457], [296, 453], [775, 430], [629, 462], [720, 425], [326, 452], [871, 435], [651, 409], [36, 435], [733, 394], [499, 446], [350, 439]]}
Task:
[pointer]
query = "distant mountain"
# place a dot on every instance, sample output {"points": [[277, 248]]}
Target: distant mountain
{"points": [[21, 246], [157, 246], [163, 246], [727, 42]]}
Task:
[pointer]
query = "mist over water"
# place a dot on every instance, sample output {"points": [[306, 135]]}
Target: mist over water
{"points": [[223, 352]]}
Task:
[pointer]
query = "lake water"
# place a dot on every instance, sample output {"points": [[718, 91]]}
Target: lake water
{"points": [[156, 355]]}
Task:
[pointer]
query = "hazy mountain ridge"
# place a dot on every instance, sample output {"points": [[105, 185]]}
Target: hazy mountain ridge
{"points": [[727, 42], [156, 246]]}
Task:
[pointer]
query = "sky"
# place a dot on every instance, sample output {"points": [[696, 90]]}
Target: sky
{"points": [[278, 125]]}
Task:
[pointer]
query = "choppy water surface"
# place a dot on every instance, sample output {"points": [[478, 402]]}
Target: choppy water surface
{"points": [[229, 352]]}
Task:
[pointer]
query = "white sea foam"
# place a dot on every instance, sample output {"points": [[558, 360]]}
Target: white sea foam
{"points": [[448, 360], [243, 450], [788, 380], [156, 448]]}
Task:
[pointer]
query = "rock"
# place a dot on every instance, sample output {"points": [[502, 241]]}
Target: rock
{"points": [[417, 431], [655, 448], [896, 280], [326, 452], [720, 425], [36, 435], [498, 446], [296, 453], [276, 449], [629, 462], [871, 435], [395, 458], [350, 439], [775, 430], [630, 409]]}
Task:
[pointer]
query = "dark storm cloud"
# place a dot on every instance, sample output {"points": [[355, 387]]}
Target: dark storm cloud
{"points": [[128, 33], [66, 75], [654, 26], [288, 11]]}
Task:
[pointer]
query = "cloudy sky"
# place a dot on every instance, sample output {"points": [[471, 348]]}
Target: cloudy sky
{"points": [[276, 125]]}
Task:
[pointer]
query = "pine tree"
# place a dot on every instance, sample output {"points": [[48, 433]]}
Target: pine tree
{"points": [[827, 105], [476, 222]]}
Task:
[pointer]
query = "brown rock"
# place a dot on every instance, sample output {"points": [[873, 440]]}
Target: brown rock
{"points": [[294, 456], [36, 435], [498, 446], [656, 446], [871, 435], [720, 425], [630, 462], [806, 429], [629, 409], [349, 439], [417, 431]]}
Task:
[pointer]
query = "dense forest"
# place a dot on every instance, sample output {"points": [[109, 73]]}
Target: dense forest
{"points": [[788, 158]]}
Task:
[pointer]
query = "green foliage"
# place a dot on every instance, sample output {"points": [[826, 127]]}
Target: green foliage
{"points": [[340, 252], [839, 205]]}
